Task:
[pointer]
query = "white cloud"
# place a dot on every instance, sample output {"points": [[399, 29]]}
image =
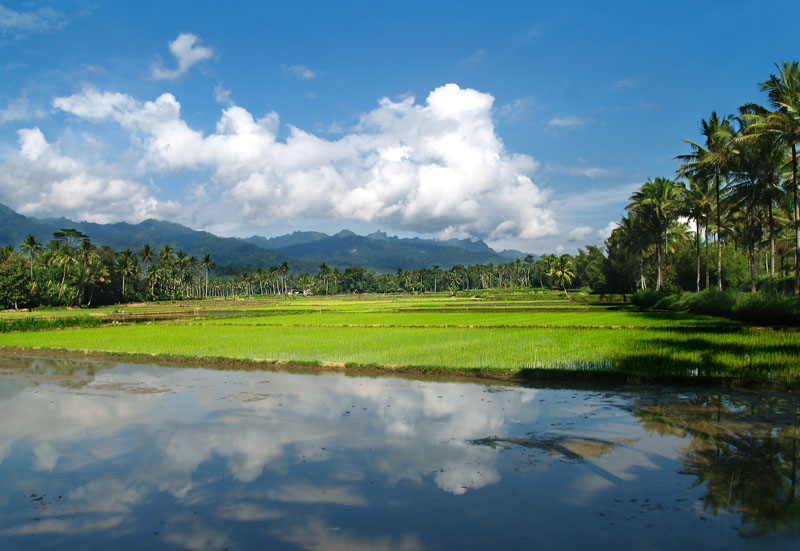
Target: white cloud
{"points": [[579, 233], [19, 109], [187, 53], [299, 71], [437, 167], [21, 22], [56, 184], [569, 121], [588, 171], [605, 233], [222, 95]]}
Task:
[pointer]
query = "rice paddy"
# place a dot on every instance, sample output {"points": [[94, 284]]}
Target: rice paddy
{"points": [[482, 335]]}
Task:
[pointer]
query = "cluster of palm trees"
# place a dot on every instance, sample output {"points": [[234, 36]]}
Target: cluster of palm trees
{"points": [[70, 270], [739, 185]]}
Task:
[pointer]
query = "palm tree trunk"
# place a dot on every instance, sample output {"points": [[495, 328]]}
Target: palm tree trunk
{"points": [[658, 258], [708, 272], [697, 247], [61, 287], [796, 222], [771, 249], [752, 264], [719, 236]]}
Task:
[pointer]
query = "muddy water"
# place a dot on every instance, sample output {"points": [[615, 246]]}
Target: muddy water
{"points": [[100, 455]]}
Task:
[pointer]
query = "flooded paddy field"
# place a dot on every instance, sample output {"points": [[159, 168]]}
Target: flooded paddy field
{"points": [[97, 454]]}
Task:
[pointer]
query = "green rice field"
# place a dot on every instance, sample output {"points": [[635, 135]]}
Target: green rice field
{"points": [[481, 335]]}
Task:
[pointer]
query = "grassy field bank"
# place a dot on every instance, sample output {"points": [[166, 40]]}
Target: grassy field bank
{"points": [[494, 335]]}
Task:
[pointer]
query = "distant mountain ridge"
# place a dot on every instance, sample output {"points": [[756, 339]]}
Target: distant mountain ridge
{"points": [[304, 251]]}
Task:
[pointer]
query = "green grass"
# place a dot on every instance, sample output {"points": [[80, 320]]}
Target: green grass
{"points": [[38, 324], [461, 335], [496, 317]]}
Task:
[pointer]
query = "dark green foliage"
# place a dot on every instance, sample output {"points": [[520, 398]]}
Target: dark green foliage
{"points": [[589, 267], [757, 308], [37, 324], [14, 280]]}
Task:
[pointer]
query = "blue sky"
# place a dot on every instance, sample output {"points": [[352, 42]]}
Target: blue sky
{"points": [[525, 124]]}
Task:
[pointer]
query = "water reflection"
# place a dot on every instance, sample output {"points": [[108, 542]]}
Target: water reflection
{"points": [[742, 448], [134, 455]]}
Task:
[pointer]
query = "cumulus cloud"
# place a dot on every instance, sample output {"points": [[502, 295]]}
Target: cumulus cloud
{"points": [[579, 233], [569, 121], [57, 184], [605, 233], [298, 71], [187, 53], [437, 167]]}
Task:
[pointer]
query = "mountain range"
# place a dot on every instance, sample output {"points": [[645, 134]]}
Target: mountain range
{"points": [[303, 251]]}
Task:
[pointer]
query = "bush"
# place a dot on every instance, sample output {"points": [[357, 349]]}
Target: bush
{"points": [[757, 308]]}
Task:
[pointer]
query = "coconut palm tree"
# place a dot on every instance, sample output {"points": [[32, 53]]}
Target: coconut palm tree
{"points": [[30, 247], [561, 273], [207, 264], [713, 160], [324, 274], [127, 265], [783, 91], [658, 203], [698, 202], [757, 173]]}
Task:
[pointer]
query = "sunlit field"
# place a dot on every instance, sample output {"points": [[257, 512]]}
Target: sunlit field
{"points": [[508, 336]]}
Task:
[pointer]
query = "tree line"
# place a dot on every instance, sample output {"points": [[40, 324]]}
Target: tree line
{"points": [[735, 193], [71, 271]]}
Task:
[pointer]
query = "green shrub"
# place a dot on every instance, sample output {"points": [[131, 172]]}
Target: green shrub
{"points": [[756, 308]]}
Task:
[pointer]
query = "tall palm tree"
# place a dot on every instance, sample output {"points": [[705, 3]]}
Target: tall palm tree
{"points": [[65, 256], [324, 274], [783, 91], [757, 173], [658, 203], [30, 247], [562, 273], [207, 264], [128, 265], [698, 202], [146, 254], [713, 160]]}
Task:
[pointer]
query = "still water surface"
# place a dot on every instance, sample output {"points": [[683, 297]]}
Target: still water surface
{"points": [[106, 455]]}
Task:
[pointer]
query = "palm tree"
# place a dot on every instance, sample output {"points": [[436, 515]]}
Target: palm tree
{"points": [[658, 203], [146, 254], [698, 202], [324, 274], [561, 273], [63, 255], [29, 247], [757, 175], [126, 261], [783, 90], [207, 264], [713, 160], [454, 281], [283, 271]]}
